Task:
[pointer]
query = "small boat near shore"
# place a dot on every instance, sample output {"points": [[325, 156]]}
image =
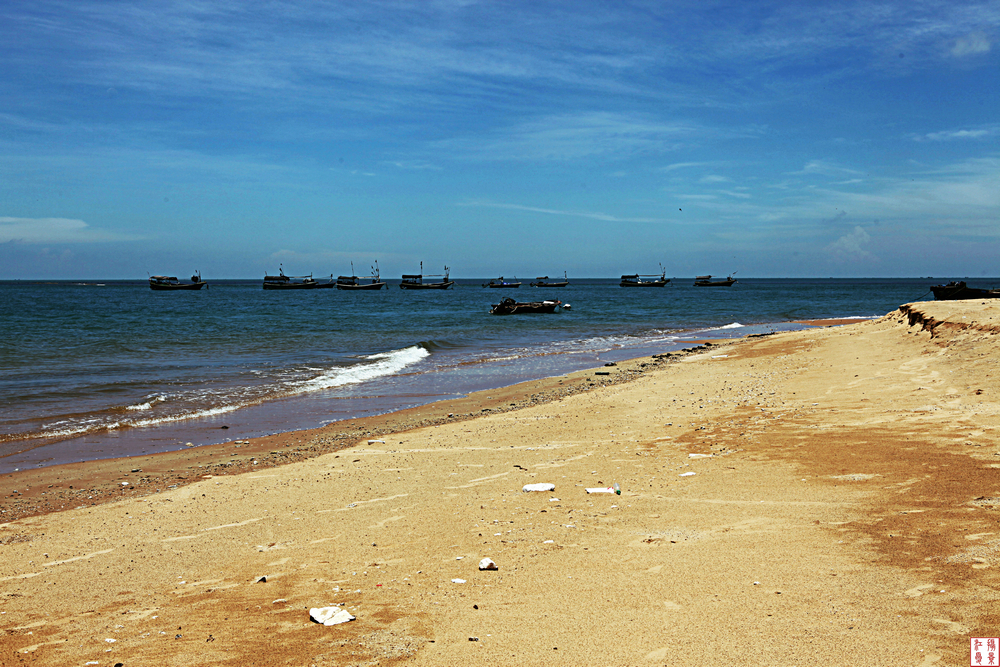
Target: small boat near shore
{"points": [[637, 280], [171, 283], [502, 284], [281, 281], [352, 282], [543, 281], [706, 281], [957, 290], [416, 280], [510, 307]]}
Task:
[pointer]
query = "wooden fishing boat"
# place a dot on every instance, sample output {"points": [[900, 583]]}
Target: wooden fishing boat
{"points": [[502, 284], [637, 280], [510, 307], [354, 283], [416, 280], [958, 290], [543, 281], [281, 281], [706, 281], [171, 283]]}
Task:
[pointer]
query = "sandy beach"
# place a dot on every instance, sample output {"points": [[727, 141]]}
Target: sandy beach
{"points": [[826, 496]]}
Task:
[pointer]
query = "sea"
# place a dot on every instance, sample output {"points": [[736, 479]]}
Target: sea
{"points": [[104, 369]]}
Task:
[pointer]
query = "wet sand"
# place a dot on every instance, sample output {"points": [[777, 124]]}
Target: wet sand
{"points": [[842, 510]]}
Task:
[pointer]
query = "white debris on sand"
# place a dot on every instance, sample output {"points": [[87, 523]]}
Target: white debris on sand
{"points": [[539, 487], [330, 615]]}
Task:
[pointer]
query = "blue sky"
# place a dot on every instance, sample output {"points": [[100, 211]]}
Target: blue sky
{"points": [[515, 138]]}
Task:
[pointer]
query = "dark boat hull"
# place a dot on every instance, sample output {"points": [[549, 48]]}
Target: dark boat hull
{"points": [[502, 285], [960, 291], [714, 283], [644, 283], [541, 284], [511, 307], [364, 286]]}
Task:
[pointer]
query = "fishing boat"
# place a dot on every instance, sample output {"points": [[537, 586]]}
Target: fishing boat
{"points": [[352, 282], [706, 281], [281, 281], [637, 280], [169, 283], [510, 307], [501, 284], [957, 290], [543, 281], [416, 280]]}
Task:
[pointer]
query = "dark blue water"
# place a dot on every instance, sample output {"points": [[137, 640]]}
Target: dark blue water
{"points": [[98, 370]]}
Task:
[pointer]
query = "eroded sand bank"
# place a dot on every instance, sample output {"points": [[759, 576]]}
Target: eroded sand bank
{"points": [[841, 512]]}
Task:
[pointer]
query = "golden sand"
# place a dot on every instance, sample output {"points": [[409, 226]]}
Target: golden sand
{"points": [[842, 510]]}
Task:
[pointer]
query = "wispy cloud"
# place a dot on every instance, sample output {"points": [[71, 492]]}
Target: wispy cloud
{"points": [[972, 44], [593, 215], [54, 230], [575, 136], [959, 135]]}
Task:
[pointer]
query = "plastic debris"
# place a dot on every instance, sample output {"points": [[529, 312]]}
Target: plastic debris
{"points": [[601, 489], [330, 615], [538, 487], [458, 581], [685, 474], [487, 564], [699, 456]]}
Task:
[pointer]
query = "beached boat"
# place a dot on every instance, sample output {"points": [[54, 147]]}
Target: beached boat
{"points": [[510, 307], [501, 284], [956, 290], [706, 281], [637, 280], [543, 281], [416, 280], [170, 283], [281, 281], [354, 283]]}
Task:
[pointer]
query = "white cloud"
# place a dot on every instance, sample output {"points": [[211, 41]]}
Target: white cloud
{"points": [[53, 230], [971, 44], [852, 246]]}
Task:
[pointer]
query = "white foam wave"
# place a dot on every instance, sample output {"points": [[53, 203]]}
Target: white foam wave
{"points": [[381, 365], [734, 325], [146, 405]]}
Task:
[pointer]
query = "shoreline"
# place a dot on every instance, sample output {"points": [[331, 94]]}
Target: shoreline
{"points": [[54, 488]]}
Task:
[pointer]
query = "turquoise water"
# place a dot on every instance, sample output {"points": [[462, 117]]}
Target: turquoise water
{"points": [[110, 369]]}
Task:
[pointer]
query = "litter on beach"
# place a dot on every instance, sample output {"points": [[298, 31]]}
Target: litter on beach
{"points": [[610, 489], [538, 487], [686, 474]]}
